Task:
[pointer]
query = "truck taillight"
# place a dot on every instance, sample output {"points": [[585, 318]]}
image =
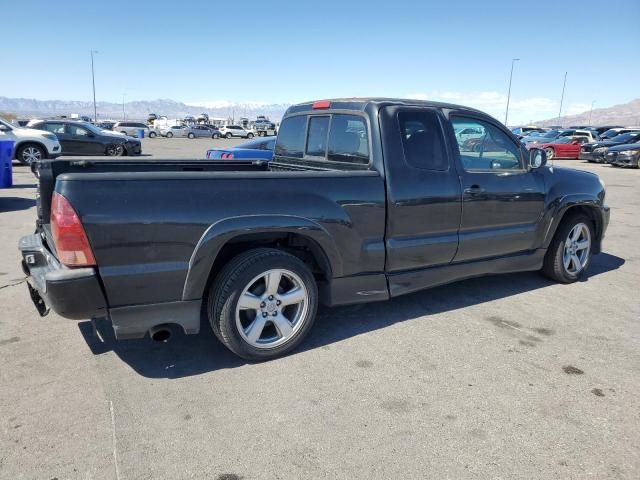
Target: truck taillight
{"points": [[69, 236]]}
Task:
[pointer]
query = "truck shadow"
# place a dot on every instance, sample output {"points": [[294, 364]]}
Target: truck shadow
{"points": [[188, 355], [12, 204]]}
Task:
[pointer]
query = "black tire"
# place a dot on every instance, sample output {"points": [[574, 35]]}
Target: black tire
{"points": [[229, 285], [153, 134], [169, 134], [553, 266], [114, 150], [27, 153], [191, 135], [249, 136], [215, 136], [228, 136]]}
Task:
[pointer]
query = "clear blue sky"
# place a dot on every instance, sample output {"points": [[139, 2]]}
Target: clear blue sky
{"points": [[287, 51]]}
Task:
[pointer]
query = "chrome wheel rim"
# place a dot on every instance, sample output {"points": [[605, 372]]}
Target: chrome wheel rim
{"points": [[272, 308], [576, 249], [549, 152], [31, 154]]}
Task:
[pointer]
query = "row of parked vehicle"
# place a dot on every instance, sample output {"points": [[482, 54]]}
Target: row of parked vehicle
{"points": [[134, 129], [615, 145]]}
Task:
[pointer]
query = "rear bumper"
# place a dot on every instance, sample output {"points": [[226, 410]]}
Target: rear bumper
{"points": [[74, 293]]}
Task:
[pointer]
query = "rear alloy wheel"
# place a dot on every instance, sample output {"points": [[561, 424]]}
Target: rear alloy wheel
{"points": [[169, 134], [570, 251], [228, 135], [215, 136], [152, 134], [249, 136], [27, 154], [191, 135], [550, 152], [263, 303], [114, 150]]}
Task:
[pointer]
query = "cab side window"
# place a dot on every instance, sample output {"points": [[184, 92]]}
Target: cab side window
{"points": [[422, 140], [489, 150], [77, 131]]}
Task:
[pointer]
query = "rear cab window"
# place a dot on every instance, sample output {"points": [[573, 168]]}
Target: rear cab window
{"points": [[324, 138]]}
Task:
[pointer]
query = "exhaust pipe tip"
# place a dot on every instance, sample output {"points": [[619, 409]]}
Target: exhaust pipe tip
{"points": [[160, 333]]}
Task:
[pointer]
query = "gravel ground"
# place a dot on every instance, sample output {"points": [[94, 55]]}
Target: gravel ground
{"points": [[501, 377]]}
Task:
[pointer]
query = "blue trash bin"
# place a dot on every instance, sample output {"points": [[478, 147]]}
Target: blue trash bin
{"points": [[6, 157], [141, 133]]}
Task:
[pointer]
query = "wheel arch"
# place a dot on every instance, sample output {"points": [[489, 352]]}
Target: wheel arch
{"points": [[224, 240], [24, 143], [575, 205]]}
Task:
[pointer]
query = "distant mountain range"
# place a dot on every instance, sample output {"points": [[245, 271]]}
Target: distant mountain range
{"points": [[625, 114], [138, 110]]}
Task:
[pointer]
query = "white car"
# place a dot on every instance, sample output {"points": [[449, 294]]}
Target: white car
{"points": [[30, 145], [235, 131]]}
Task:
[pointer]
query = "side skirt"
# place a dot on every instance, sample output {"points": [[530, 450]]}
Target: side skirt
{"points": [[408, 282]]}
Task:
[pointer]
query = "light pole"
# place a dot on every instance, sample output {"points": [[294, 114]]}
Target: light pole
{"points": [[562, 97], [591, 111], [506, 114], [93, 82]]}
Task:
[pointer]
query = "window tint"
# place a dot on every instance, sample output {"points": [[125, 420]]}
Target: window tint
{"points": [[51, 127], [77, 131], [492, 150], [348, 139], [317, 136], [291, 137], [422, 140]]}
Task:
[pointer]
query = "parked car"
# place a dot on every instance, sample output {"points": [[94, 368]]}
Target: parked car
{"points": [[106, 125], [131, 128], [334, 218], [612, 132], [597, 151], [563, 147], [30, 145], [82, 138], [627, 155], [264, 127], [187, 131], [253, 149], [229, 131], [524, 131], [552, 135]]}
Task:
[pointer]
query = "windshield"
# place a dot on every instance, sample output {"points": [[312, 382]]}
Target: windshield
{"points": [[91, 128], [552, 134], [625, 137], [609, 134]]}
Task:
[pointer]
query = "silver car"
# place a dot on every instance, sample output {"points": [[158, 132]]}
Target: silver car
{"points": [[187, 131]]}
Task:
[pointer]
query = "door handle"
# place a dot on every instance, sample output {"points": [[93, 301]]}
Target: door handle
{"points": [[474, 190]]}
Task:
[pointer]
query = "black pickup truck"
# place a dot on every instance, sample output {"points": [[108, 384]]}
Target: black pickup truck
{"points": [[365, 199]]}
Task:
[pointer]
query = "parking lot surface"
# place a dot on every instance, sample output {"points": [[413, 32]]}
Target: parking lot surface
{"points": [[499, 377]]}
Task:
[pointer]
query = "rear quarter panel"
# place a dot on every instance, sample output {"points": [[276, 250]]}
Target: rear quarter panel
{"points": [[144, 228]]}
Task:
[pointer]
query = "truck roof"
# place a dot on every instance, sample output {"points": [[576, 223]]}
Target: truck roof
{"points": [[360, 103]]}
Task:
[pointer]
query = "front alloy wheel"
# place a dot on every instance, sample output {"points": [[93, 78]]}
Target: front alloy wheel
{"points": [[570, 251], [577, 248], [29, 154], [550, 152]]}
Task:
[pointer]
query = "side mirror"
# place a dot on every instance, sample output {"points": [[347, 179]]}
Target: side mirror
{"points": [[575, 142], [537, 158]]}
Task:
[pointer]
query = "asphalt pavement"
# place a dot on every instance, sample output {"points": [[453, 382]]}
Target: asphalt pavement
{"points": [[499, 377]]}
